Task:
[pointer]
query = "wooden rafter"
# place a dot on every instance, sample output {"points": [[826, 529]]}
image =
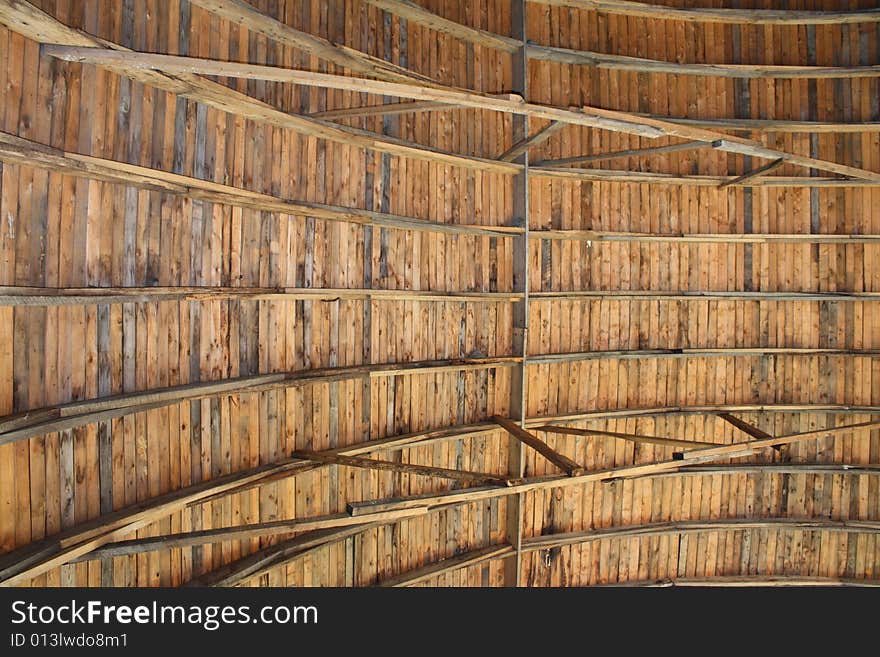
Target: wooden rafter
{"points": [[715, 15], [385, 109], [240, 532], [60, 417], [184, 68], [22, 17], [559, 460], [176, 65], [36, 296], [651, 178], [404, 468], [687, 238], [685, 295], [753, 174], [31, 560], [412, 12], [16, 150], [616, 155], [448, 565], [703, 455], [773, 125], [531, 141], [741, 71], [550, 541], [746, 428], [631, 437], [718, 352]]}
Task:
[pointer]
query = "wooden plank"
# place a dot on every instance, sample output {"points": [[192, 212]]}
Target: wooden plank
{"points": [[38, 296], [716, 15], [773, 125], [719, 295], [559, 460], [645, 177], [742, 71], [726, 238]]}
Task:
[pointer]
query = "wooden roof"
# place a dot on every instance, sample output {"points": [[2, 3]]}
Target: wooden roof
{"points": [[358, 292]]}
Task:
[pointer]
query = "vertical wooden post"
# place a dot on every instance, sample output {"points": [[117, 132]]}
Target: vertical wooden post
{"points": [[517, 410]]}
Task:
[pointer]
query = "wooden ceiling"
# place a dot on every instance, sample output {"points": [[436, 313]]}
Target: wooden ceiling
{"points": [[358, 292]]}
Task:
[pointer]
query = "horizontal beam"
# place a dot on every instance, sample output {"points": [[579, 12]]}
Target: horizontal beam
{"points": [[559, 460], [37, 422], [24, 152], [741, 71], [725, 238], [713, 15], [739, 295], [773, 125], [38, 296], [172, 64], [720, 352], [649, 178], [705, 409]]}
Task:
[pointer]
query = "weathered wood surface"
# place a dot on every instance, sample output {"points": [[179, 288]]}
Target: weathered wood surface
{"points": [[775, 278]]}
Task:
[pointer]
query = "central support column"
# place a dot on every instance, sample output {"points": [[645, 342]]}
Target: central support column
{"points": [[518, 385]]}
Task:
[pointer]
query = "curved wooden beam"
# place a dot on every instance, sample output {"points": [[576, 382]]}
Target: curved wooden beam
{"points": [[687, 238], [550, 541], [718, 295], [33, 559], [714, 15], [60, 417], [649, 178], [746, 581], [609, 62], [17, 150]]}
